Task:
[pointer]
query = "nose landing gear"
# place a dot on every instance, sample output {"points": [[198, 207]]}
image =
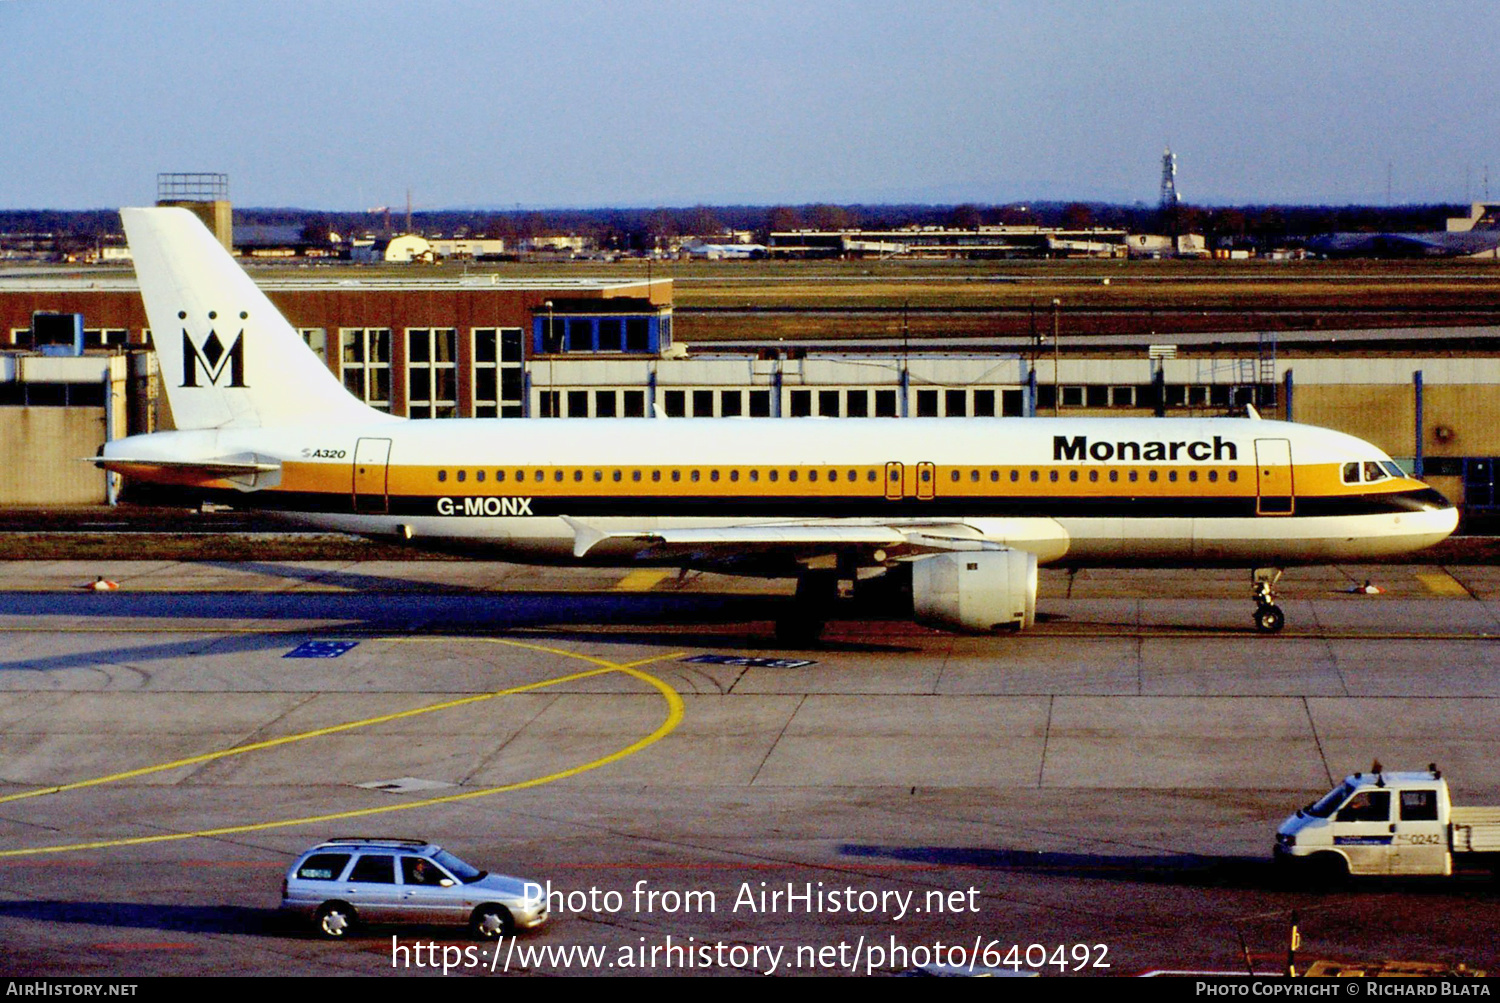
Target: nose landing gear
{"points": [[1269, 619]]}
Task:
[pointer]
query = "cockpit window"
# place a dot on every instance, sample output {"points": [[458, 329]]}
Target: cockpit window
{"points": [[1369, 471]]}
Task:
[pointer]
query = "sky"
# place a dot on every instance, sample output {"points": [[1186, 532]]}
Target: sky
{"points": [[344, 105]]}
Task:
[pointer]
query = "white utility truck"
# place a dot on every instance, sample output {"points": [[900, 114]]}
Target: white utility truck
{"points": [[1391, 823]]}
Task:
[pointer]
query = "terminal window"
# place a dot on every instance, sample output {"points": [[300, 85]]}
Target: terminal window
{"points": [[105, 337], [432, 372], [499, 374], [555, 334], [365, 361], [317, 340], [19, 394]]}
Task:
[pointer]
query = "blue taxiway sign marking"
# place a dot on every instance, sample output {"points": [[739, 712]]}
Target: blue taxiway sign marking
{"points": [[754, 663], [320, 649]]}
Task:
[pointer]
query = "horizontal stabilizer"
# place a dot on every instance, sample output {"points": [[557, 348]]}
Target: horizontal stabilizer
{"points": [[245, 472]]}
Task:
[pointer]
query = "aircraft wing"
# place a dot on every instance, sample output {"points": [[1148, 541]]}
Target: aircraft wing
{"points": [[793, 539]]}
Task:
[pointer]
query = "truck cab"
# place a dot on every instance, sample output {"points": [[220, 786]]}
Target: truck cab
{"points": [[1374, 823]]}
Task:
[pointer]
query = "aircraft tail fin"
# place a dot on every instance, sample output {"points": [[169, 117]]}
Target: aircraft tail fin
{"points": [[228, 357]]}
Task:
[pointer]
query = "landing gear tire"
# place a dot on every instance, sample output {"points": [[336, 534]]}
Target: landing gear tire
{"points": [[1268, 616], [798, 631], [1269, 619], [817, 591]]}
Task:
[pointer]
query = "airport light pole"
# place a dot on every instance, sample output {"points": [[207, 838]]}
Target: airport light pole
{"points": [[1056, 361], [552, 409]]}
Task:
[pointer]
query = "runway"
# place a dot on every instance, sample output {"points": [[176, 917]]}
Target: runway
{"points": [[1112, 777]]}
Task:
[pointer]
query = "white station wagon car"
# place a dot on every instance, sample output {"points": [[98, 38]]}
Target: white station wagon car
{"points": [[345, 882]]}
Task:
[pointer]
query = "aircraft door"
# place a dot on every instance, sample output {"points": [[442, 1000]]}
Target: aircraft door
{"points": [[1274, 488], [926, 480], [371, 472], [895, 476], [918, 481]]}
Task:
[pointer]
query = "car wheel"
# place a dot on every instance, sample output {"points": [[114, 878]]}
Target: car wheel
{"points": [[336, 920], [491, 922], [1329, 870]]}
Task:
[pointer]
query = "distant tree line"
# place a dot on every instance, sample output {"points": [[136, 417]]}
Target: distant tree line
{"points": [[639, 229]]}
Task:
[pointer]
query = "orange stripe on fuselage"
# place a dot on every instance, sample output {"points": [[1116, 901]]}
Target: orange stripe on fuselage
{"points": [[1092, 480]]}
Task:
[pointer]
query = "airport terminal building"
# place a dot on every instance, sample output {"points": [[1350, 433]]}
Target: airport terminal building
{"points": [[76, 370]]}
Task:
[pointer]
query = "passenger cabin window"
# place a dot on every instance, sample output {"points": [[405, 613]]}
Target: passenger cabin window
{"points": [[323, 866], [1419, 806], [379, 870]]}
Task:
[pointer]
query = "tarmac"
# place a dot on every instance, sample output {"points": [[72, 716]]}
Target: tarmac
{"points": [[1107, 783]]}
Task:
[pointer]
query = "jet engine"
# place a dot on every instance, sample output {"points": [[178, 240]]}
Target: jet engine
{"points": [[975, 591]]}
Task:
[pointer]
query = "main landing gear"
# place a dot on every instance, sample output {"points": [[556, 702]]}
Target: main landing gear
{"points": [[803, 623], [1268, 616]]}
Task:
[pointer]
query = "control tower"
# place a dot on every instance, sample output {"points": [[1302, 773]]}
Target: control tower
{"points": [[1169, 197], [206, 195]]}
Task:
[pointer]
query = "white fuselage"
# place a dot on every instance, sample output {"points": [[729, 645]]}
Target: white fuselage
{"points": [[1079, 491]]}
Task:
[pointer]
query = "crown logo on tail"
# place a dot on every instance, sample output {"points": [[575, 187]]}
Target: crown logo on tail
{"points": [[212, 357]]}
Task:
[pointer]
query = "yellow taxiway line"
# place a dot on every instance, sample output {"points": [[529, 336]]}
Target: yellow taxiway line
{"points": [[642, 580], [1441, 583], [669, 724]]}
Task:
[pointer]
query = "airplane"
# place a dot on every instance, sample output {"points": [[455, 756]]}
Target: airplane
{"points": [[959, 511]]}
